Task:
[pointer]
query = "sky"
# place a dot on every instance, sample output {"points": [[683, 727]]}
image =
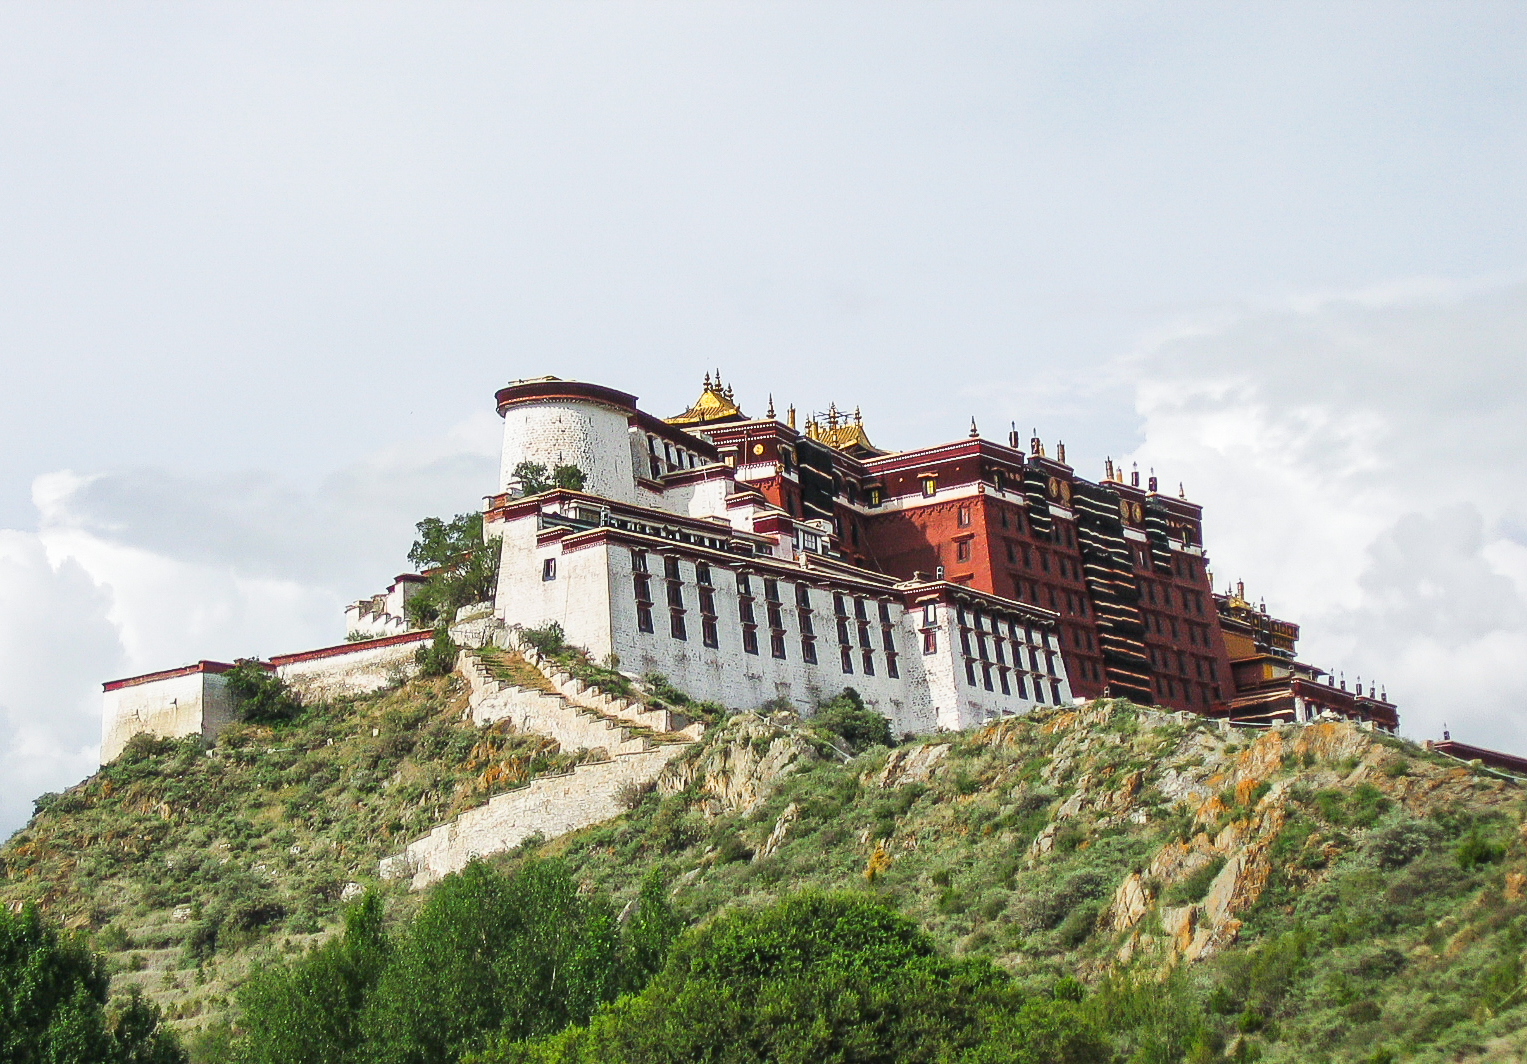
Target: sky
{"points": [[262, 268]]}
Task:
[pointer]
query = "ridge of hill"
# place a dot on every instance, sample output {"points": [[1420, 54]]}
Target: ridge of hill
{"points": [[1325, 892]]}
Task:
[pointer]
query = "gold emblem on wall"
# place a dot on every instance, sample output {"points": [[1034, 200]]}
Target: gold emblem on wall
{"points": [[1138, 513]]}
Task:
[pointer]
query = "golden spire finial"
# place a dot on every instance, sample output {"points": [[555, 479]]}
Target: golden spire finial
{"points": [[707, 380], [790, 415], [858, 418]]}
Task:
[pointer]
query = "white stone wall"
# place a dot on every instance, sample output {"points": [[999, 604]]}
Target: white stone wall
{"points": [[195, 703], [577, 596], [548, 805], [591, 593], [356, 669], [589, 435]]}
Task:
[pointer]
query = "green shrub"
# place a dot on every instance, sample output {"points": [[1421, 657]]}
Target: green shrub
{"points": [[846, 718], [259, 695], [1478, 849], [438, 656], [53, 1006], [549, 640], [534, 478], [1196, 885]]}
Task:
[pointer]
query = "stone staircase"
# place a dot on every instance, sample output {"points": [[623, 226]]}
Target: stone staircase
{"points": [[632, 744]]}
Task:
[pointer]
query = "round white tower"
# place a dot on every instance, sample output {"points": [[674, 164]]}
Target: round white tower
{"points": [[553, 422]]}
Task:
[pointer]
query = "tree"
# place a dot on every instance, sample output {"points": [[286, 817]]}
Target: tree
{"points": [[522, 954], [311, 1010], [534, 479], [813, 977], [53, 1003], [461, 568]]}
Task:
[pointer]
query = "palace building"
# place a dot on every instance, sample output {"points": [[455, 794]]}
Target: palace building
{"points": [[755, 561], [840, 559]]}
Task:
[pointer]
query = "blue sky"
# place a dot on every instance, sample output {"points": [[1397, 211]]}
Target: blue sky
{"points": [[264, 267]]}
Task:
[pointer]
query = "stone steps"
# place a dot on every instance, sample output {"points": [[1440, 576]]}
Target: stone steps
{"points": [[575, 727], [663, 721], [549, 805]]}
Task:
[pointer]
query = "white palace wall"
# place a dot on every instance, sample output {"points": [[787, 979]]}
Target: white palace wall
{"points": [[189, 701], [591, 592]]}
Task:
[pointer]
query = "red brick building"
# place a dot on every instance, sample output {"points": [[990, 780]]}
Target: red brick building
{"points": [[1120, 562]]}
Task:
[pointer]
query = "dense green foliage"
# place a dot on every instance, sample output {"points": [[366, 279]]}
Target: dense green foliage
{"points": [[438, 656], [460, 569], [516, 956], [848, 719], [534, 478], [821, 977], [53, 1003], [259, 695]]}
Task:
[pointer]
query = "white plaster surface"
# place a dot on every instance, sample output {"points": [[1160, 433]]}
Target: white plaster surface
{"points": [[196, 703], [356, 671], [548, 805]]}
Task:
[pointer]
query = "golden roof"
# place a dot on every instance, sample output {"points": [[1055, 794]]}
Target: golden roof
{"points": [[715, 404], [842, 433]]}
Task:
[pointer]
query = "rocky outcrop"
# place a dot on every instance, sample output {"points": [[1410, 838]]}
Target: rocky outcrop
{"points": [[908, 765], [740, 767]]}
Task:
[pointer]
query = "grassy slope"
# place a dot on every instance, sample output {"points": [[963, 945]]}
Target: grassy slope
{"points": [[1068, 843], [193, 866]]}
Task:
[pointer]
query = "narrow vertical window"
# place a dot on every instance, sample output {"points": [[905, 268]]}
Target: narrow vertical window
{"points": [[549, 569]]}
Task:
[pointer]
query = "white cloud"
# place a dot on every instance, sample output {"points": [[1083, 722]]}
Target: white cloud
{"points": [[55, 639], [1356, 460], [139, 570]]}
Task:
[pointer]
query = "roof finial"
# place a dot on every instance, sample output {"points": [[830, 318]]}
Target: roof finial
{"points": [[707, 380], [1108, 468], [974, 432], [790, 415], [771, 405], [1060, 452], [1181, 491], [858, 418]]}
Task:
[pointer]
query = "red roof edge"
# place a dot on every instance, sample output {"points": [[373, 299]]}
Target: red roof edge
{"points": [[351, 648], [213, 667]]}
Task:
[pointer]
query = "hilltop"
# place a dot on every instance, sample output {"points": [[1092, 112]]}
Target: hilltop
{"points": [[1322, 891]]}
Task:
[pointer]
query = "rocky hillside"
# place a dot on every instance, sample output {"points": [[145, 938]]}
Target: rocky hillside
{"points": [[1317, 893]]}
